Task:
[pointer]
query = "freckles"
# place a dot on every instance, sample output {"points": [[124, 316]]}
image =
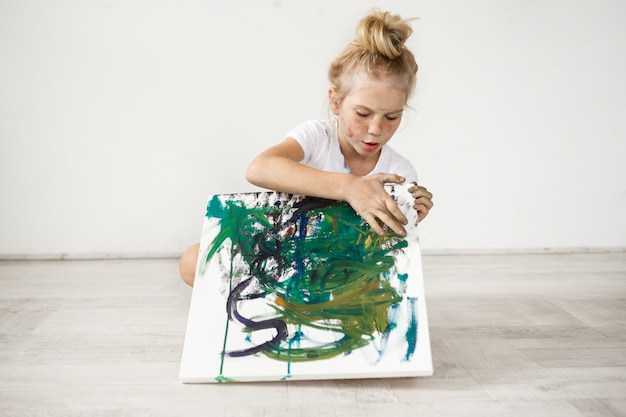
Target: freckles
{"points": [[356, 128], [391, 129]]}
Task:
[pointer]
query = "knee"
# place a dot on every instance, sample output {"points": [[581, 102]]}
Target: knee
{"points": [[187, 264]]}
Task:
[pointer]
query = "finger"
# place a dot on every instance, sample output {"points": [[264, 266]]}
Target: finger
{"points": [[422, 211], [423, 201], [395, 211], [392, 216], [371, 220], [392, 223], [392, 178], [418, 191]]}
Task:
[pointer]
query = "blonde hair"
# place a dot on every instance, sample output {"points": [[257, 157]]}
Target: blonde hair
{"points": [[378, 48]]}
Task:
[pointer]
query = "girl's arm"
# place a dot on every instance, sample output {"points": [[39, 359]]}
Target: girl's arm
{"points": [[279, 168]]}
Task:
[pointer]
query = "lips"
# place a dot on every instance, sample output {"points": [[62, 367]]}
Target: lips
{"points": [[371, 146]]}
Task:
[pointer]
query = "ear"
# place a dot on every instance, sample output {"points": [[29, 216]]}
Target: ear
{"points": [[333, 101]]}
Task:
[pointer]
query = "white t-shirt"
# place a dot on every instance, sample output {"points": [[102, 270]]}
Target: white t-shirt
{"points": [[320, 144]]}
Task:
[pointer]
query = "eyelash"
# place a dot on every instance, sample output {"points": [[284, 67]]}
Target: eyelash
{"points": [[364, 115]]}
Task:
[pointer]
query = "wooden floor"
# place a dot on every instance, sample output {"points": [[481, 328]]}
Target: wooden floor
{"points": [[512, 335]]}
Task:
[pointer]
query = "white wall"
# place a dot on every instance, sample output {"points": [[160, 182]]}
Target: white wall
{"points": [[119, 117]]}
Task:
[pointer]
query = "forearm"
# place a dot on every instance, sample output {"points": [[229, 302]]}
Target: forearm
{"points": [[286, 175]]}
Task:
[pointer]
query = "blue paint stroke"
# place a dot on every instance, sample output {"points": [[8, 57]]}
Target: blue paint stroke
{"points": [[411, 333]]}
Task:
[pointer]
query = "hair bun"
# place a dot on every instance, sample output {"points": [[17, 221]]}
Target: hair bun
{"points": [[379, 50], [383, 33]]}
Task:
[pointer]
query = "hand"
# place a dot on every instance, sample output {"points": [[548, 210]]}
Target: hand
{"points": [[368, 198], [423, 201]]}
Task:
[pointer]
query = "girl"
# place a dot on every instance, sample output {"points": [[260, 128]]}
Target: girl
{"points": [[347, 158]]}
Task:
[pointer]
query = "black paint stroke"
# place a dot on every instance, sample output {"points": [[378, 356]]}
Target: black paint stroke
{"points": [[231, 306]]}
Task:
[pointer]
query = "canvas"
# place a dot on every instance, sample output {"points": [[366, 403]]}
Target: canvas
{"points": [[292, 287]]}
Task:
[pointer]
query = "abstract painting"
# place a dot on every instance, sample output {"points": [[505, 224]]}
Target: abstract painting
{"points": [[293, 287]]}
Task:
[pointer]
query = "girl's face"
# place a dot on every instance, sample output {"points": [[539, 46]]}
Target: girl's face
{"points": [[368, 115]]}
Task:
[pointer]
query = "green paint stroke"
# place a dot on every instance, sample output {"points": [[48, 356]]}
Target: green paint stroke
{"points": [[325, 268], [224, 379]]}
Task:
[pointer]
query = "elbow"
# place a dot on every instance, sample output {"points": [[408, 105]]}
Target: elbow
{"points": [[253, 173]]}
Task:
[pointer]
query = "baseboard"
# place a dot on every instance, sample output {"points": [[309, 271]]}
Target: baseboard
{"points": [[88, 256], [425, 252], [521, 251]]}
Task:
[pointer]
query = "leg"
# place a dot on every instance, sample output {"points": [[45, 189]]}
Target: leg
{"points": [[187, 264]]}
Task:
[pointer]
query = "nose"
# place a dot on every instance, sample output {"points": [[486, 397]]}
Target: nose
{"points": [[375, 128]]}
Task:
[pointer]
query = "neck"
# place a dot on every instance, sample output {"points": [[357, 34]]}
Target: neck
{"points": [[356, 163]]}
